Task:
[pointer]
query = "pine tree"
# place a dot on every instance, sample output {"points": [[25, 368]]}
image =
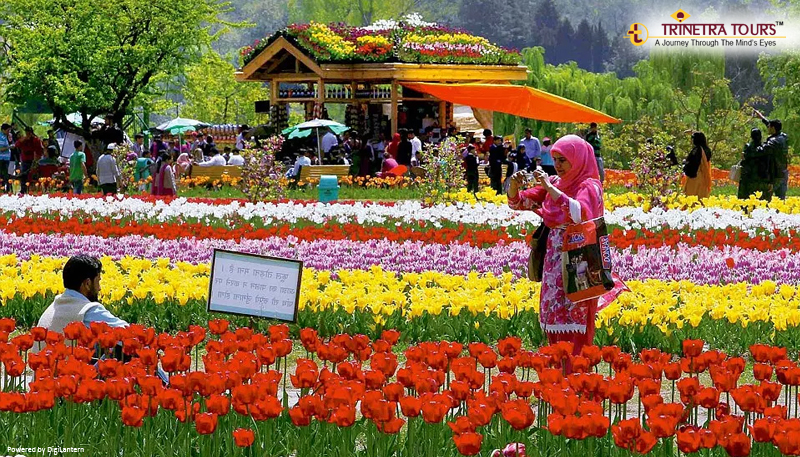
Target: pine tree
{"points": [[546, 20], [564, 48], [583, 49], [601, 48]]}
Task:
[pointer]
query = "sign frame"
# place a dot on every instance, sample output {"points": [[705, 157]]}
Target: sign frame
{"points": [[282, 259]]}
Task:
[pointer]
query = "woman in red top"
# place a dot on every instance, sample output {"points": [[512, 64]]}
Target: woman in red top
{"points": [[392, 148]]}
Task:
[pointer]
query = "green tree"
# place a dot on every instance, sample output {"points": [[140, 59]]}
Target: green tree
{"points": [[365, 12], [781, 73], [212, 94], [97, 57]]}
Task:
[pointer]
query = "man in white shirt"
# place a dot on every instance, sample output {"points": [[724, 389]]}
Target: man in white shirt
{"points": [[80, 303], [416, 146], [240, 143], [236, 158], [303, 160], [107, 171], [216, 160], [329, 141]]}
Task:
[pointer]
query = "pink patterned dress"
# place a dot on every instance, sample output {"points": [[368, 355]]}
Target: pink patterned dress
{"points": [[559, 317]]}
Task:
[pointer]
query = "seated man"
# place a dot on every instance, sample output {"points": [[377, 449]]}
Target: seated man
{"points": [[216, 160], [51, 158], [79, 303]]}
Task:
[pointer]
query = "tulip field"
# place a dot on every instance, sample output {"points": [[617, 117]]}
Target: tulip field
{"points": [[417, 332]]}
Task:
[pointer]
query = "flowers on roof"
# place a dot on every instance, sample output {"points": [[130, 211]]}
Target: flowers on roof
{"points": [[409, 40]]}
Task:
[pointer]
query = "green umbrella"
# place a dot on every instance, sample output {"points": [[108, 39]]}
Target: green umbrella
{"points": [[181, 125], [303, 130]]}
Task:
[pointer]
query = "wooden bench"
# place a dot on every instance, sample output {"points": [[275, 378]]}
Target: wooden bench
{"points": [[315, 171], [214, 173]]}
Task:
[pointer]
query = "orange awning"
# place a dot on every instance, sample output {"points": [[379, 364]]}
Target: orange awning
{"points": [[521, 101]]}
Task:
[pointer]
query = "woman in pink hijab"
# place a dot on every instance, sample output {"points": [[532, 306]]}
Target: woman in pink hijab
{"points": [[573, 196]]}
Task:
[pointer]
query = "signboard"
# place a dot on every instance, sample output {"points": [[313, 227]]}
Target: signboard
{"points": [[254, 285]]}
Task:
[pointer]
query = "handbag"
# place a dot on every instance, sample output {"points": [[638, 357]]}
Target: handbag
{"points": [[586, 260], [538, 251], [736, 172]]}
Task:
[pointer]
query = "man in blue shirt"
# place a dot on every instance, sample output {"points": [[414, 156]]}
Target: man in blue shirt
{"points": [[5, 155], [533, 149]]}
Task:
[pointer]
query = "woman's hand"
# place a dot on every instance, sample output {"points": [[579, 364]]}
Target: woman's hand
{"points": [[517, 180], [543, 179]]}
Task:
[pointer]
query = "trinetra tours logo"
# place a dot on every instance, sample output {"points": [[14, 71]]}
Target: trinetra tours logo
{"points": [[680, 15], [681, 32], [638, 34]]}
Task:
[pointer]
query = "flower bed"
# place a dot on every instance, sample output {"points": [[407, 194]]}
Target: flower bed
{"points": [[717, 214], [411, 41], [431, 304], [698, 264], [442, 399]]}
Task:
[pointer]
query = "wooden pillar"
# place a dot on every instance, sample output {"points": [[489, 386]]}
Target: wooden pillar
{"points": [[394, 107], [273, 92], [321, 91]]}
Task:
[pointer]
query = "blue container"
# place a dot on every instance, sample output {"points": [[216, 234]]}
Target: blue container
{"points": [[328, 189]]}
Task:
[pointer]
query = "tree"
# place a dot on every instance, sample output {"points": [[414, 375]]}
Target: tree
{"points": [[545, 22], [584, 39], [362, 12], [565, 48], [96, 57], [601, 48], [781, 73], [212, 94]]}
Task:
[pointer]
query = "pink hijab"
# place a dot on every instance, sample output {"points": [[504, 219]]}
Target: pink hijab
{"points": [[580, 155]]}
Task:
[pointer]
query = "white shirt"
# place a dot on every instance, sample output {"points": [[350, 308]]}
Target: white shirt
{"points": [[416, 146], [236, 159], [216, 161], [240, 141], [329, 141], [107, 169], [301, 161]]}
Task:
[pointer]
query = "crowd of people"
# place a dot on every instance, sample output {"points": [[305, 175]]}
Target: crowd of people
{"points": [[368, 155], [158, 167]]}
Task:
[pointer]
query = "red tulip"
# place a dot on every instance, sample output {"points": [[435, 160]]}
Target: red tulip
{"points": [[763, 429], [218, 326], [243, 437], [736, 444], [692, 348], [468, 443], [461, 425], [205, 423], [762, 372], [132, 416], [518, 414], [510, 346]]}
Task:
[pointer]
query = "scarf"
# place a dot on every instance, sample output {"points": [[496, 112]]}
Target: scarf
{"points": [[580, 155]]}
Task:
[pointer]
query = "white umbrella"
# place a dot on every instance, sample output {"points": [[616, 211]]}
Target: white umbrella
{"points": [[76, 119]]}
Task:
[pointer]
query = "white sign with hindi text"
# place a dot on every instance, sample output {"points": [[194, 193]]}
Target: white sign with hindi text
{"points": [[254, 285]]}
